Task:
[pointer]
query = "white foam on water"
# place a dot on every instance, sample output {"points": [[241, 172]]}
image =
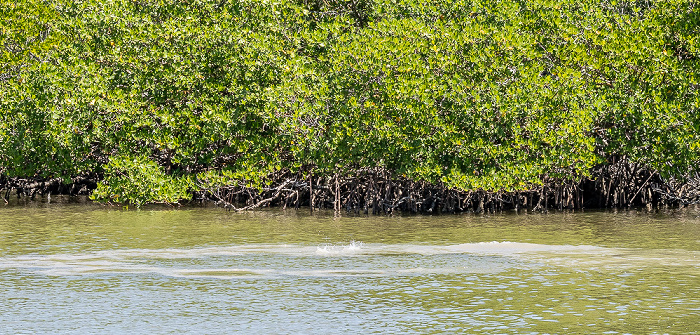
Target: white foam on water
{"points": [[268, 273], [177, 262], [509, 248], [619, 258], [221, 273]]}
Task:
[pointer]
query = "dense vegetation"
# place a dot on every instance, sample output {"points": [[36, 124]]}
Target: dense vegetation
{"points": [[163, 98]]}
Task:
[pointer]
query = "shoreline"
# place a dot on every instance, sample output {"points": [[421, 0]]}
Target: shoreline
{"points": [[377, 191]]}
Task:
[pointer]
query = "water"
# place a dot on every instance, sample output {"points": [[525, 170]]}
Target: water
{"points": [[87, 269]]}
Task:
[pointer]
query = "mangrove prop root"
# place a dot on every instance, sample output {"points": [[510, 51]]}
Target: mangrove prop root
{"points": [[377, 191], [28, 188], [621, 184]]}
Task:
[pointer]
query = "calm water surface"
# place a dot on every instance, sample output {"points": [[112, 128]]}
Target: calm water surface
{"points": [[88, 269]]}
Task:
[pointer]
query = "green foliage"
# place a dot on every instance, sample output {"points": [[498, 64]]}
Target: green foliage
{"points": [[138, 180], [477, 94]]}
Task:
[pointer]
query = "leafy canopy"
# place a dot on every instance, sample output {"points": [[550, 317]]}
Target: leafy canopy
{"points": [[168, 96]]}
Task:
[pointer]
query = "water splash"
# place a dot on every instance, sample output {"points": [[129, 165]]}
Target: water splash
{"points": [[354, 248]]}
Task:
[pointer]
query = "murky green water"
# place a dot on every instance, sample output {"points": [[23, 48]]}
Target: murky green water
{"points": [[86, 269]]}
